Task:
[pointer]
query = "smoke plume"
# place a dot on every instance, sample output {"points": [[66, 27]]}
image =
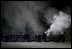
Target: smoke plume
{"points": [[60, 22], [22, 16], [33, 17]]}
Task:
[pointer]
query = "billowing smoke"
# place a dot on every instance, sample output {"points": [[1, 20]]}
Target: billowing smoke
{"points": [[23, 16], [32, 17], [60, 22]]}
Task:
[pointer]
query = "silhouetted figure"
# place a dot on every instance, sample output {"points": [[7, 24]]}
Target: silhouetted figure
{"points": [[22, 37], [44, 37], [4, 37], [9, 37], [39, 38], [36, 37], [27, 37], [14, 37], [18, 37]]}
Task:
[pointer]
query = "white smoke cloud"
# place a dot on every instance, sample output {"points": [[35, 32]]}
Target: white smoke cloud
{"points": [[60, 22], [19, 13]]}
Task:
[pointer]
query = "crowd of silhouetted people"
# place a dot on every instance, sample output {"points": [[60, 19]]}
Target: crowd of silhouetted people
{"points": [[21, 37]]}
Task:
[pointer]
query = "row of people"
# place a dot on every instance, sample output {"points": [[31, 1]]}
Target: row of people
{"points": [[21, 37]]}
